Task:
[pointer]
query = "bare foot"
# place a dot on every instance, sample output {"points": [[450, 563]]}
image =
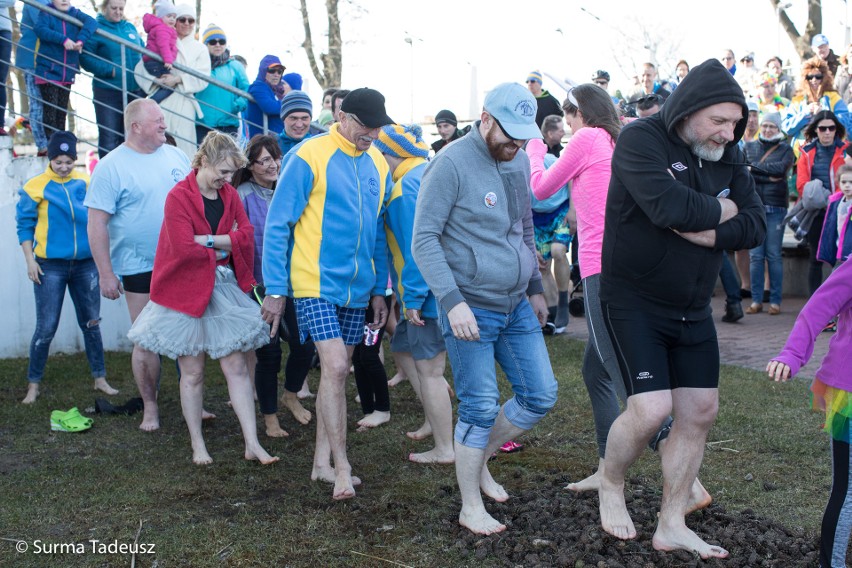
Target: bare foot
{"points": [[32, 394], [478, 521], [102, 385], [208, 415], [591, 483], [327, 474], [682, 538], [344, 487], [273, 428], [699, 498], [200, 456], [374, 419], [151, 420], [300, 413], [433, 456], [260, 455], [305, 392], [491, 488], [421, 433], [614, 516], [397, 378]]}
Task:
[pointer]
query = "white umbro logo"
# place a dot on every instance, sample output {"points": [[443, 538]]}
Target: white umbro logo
{"points": [[678, 166]]}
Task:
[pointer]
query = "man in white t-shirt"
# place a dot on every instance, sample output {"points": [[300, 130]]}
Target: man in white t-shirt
{"points": [[125, 199]]}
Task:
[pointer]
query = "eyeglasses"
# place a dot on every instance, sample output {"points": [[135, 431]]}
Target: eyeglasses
{"points": [[266, 162], [217, 42], [818, 77], [276, 70], [185, 20], [830, 128], [727, 59], [357, 121], [531, 81]]}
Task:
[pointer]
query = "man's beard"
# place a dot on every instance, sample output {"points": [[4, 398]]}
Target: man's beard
{"points": [[501, 152], [704, 149]]}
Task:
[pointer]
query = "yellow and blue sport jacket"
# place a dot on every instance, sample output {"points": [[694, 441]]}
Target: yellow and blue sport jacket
{"points": [[324, 234], [50, 212], [408, 283]]}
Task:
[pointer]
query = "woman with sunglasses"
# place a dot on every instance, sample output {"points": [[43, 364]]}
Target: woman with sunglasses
{"points": [[267, 91], [820, 157], [181, 109], [255, 184], [816, 93], [221, 109]]}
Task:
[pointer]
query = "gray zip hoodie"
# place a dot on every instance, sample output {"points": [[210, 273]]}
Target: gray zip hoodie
{"points": [[473, 232]]}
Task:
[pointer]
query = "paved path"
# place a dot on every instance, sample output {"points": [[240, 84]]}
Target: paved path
{"points": [[750, 342]]}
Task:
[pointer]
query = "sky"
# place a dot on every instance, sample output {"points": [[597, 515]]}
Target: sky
{"points": [[459, 49]]}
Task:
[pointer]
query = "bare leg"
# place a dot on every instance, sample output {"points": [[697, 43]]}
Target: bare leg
{"points": [[699, 498], [400, 375], [428, 375], [502, 432], [32, 393], [305, 392], [146, 368], [407, 370], [242, 399], [331, 416], [473, 516], [102, 385], [696, 411], [191, 395], [627, 438], [291, 401]]}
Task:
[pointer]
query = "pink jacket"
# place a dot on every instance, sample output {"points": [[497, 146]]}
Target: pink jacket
{"points": [[585, 160], [162, 39]]}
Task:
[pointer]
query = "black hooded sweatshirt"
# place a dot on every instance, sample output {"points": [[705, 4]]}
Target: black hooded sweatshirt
{"points": [[657, 185]]}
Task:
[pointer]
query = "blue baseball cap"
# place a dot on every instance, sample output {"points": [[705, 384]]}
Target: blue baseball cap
{"points": [[514, 107], [818, 40]]}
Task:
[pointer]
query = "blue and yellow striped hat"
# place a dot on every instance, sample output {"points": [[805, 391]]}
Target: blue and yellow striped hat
{"points": [[402, 141]]}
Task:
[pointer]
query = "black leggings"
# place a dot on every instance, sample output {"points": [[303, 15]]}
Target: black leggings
{"points": [[55, 99], [814, 265], [269, 364], [837, 519], [370, 376]]}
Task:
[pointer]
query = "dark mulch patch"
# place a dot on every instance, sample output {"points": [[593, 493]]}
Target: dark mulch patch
{"points": [[551, 526]]}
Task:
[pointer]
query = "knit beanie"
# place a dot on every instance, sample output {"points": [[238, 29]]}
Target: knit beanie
{"points": [[185, 10], [296, 101], [62, 143], [774, 118], [402, 141], [164, 8], [535, 76], [446, 116], [213, 32], [294, 80]]}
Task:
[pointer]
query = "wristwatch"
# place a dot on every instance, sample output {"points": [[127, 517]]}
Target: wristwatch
{"points": [[209, 243]]}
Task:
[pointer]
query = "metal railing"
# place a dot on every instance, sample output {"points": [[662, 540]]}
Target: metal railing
{"points": [[126, 94]]}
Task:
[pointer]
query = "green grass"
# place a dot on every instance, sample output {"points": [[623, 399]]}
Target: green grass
{"points": [[98, 485]]}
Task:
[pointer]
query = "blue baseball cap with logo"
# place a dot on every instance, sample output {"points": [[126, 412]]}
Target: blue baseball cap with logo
{"points": [[514, 107]]}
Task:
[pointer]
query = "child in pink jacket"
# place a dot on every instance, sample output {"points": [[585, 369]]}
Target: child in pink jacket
{"points": [[162, 40]]}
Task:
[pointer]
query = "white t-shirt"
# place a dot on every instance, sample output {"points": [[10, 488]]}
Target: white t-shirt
{"points": [[842, 215], [132, 187]]}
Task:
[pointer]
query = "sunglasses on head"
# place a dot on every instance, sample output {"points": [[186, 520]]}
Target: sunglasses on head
{"points": [[818, 77], [217, 42], [185, 20], [830, 128]]}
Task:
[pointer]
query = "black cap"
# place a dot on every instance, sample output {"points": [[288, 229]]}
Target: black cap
{"points": [[368, 105], [62, 143], [446, 116]]}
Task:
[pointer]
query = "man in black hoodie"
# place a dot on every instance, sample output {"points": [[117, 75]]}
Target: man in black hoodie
{"points": [[679, 196]]}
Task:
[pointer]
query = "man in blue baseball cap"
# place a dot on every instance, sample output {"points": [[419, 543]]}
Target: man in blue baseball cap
{"points": [[819, 44], [473, 243]]}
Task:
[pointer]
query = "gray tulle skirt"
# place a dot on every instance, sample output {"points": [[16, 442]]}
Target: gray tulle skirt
{"points": [[230, 323]]}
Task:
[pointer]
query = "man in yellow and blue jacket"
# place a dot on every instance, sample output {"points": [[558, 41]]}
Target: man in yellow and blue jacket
{"points": [[324, 245], [418, 343]]}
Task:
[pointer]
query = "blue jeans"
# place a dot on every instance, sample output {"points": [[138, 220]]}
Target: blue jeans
{"points": [[109, 114], [5, 57], [36, 110], [730, 282], [515, 341], [81, 279], [770, 251]]}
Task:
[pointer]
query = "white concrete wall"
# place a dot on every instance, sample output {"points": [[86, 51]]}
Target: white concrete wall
{"points": [[17, 308]]}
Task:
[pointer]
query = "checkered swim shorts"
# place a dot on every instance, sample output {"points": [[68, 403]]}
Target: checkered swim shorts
{"points": [[320, 320]]}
